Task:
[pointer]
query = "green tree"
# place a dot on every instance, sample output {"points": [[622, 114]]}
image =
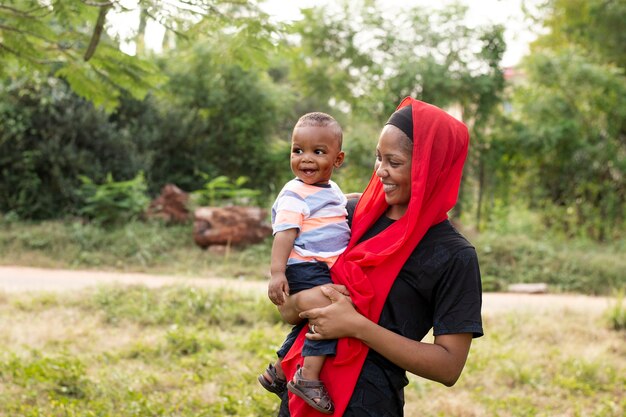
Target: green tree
{"points": [[68, 38], [48, 137], [357, 62], [217, 118], [576, 110], [573, 107], [596, 27]]}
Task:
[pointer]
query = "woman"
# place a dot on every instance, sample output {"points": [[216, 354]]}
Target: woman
{"points": [[406, 270]]}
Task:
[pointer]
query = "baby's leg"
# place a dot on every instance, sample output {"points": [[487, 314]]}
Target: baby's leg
{"points": [[302, 301], [312, 366]]}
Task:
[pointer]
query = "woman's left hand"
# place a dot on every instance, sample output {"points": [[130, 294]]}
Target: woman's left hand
{"points": [[334, 321]]}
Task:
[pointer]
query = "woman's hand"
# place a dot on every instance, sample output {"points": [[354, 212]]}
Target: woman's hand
{"points": [[339, 319]]}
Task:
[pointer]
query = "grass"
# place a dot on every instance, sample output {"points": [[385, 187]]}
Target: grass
{"points": [[180, 351], [512, 256], [135, 247]]}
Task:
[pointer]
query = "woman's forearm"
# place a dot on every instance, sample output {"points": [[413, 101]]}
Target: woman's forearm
{"points": [[441, 361]]}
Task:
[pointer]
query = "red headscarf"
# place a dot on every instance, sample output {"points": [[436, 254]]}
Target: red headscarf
{"points": [[368, 269]]}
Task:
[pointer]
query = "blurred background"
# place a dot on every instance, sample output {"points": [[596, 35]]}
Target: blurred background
{"points": [[103, 103], [128, 126]]}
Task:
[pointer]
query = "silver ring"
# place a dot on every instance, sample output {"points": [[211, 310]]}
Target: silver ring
{"points": [[313, 329]]}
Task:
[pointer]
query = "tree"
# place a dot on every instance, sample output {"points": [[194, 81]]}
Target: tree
{"points": [[68, 38], [573, 107], [596, 27], [358, 63]]}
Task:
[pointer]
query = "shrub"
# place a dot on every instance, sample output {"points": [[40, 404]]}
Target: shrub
{"points": [[48, 137], [616, 314], [222, 190], [114, 202]]}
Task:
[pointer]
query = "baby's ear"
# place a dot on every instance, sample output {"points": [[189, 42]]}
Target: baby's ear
{"points": [[339, 160]]}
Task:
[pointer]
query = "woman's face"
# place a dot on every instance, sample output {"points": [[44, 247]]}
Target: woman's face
{"points": [[393, 167]]}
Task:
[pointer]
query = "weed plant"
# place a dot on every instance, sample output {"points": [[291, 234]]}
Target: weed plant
{"points": [[179, 351]]}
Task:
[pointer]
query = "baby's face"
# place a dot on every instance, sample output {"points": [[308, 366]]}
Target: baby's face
{"points": [[315, 152]]}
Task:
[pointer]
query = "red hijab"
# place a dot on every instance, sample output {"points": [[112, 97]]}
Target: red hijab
{"points": [[368, 269]]}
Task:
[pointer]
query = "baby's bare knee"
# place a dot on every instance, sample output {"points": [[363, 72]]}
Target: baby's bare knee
{"points": [[311, 298]]}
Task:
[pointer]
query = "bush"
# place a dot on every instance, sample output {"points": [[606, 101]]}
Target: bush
{"points": [[114, 202], [48, 138], [565, 266], [222, 190]]}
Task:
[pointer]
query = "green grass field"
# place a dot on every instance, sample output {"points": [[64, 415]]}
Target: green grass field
{"points": [[183, 352], [179, 351]]}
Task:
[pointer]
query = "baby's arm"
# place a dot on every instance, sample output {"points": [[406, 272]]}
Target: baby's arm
{"points": [[278, 287]]}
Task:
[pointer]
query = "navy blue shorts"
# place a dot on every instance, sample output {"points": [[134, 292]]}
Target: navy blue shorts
{"points": [[303, 276]]}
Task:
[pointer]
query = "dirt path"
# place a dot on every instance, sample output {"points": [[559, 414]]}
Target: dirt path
{"points": [[19, 279]]}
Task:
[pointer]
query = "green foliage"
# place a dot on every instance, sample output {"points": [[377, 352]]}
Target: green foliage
{"points": [[136, 246], [114, 202], [48, 138], [594, 27], [579, 268], [59, 376], [60, 38], [69, 39], [218, 119], [616, 313], [573, 112], [224, 191]]}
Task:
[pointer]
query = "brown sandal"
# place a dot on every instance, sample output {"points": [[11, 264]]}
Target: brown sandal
{"points": [[276, 385], [309, 391]]}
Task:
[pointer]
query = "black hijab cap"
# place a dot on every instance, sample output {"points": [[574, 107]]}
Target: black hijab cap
{"points": [[403, 120]]}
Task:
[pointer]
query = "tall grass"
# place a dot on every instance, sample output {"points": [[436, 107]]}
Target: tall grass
{"points": [[184, 352], [136, 246]]}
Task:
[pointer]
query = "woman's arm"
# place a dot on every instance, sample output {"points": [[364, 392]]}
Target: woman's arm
{"points": [[441, 361]]}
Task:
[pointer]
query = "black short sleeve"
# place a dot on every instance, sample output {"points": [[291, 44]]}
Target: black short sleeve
{"points": [[458, 297]]}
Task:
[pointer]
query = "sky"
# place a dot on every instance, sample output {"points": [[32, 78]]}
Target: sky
{"points": [[507, 12]]}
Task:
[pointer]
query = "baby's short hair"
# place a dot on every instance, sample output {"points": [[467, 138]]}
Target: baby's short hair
{"points": [[319, 119]]}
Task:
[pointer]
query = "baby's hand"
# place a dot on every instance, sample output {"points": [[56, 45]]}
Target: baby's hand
{"points": [[278, 288]]}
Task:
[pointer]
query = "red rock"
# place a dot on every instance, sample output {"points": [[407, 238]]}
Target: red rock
{"points": [[232, 225], [170, 205]]}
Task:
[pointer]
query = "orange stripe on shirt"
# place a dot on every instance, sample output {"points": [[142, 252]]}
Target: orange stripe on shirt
{"points": [[305, 190], [317, 222], [329, 261], [289, 217]]}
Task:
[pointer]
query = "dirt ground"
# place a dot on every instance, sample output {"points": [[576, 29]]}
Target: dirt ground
{"points": [[20, 279]]}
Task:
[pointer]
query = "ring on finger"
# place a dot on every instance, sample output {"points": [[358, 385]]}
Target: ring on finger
{"points": [[313, 329]]}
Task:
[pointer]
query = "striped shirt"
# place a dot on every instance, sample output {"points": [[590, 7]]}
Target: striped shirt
{"points": [[319, 213]]}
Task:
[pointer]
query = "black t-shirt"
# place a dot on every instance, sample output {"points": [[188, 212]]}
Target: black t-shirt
{"points": [[438, 287]]}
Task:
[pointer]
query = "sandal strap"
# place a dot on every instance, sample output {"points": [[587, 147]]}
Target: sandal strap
{"points": [[307, 383], [271, 370], [314, 390]]}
